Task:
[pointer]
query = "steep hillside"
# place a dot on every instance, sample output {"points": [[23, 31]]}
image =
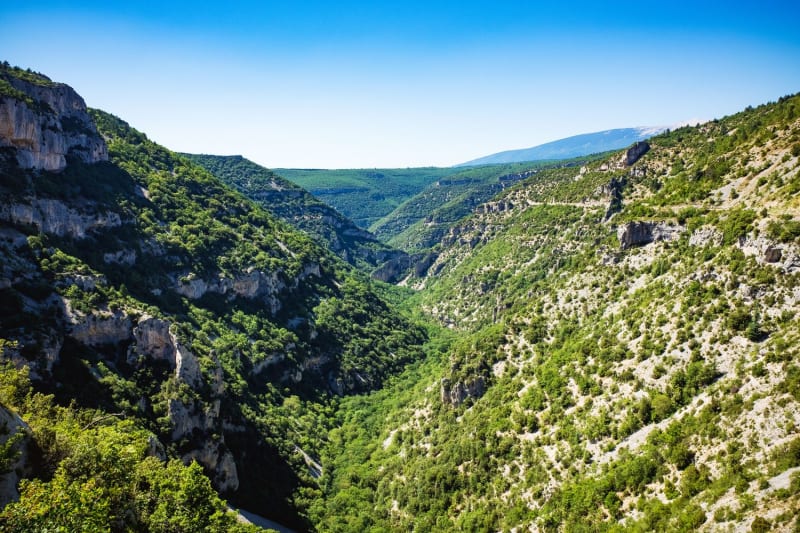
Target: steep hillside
{"points": [[365, 195], [570, 147], [295, 205], [626, 354], [134, 284], [423, 220]]}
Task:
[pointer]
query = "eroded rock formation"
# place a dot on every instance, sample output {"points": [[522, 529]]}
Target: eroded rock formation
{"points": [[639, 233], [49, 125]]}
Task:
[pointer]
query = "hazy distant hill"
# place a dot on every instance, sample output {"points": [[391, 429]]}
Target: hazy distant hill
{"points": [[576, 146]]}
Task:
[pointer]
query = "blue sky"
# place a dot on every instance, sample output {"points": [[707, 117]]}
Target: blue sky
{"points": [[357, 84]]}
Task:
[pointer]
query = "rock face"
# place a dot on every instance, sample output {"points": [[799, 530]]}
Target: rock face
{"points": [[455, 394], [191, 416], [495, 207], [12, 425], [95, 330], [636, 151], [766, 251], [153, 339], [43, 140], [640, 233], [252, 284], [613, 189], [627, 159], [706, 236], [53, 216]]}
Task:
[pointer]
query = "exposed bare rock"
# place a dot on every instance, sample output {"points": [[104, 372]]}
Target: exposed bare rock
{"points": [[636, 151], [191, 287], [251, 284], [393, 270], [57, 125], [495, 207], [706, 236], [397, 268], [627, 159], [84, 282], [255, 283], [155, 448], [456, 394], [189, 415], [219, 461], [772, 254], [638, 172], [101, 328], [153, 339], [640, 233], [10, 426], [122, 257], [613, 190], [767, 251], [53, 216]]}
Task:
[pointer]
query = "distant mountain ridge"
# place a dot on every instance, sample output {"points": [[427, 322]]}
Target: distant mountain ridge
{"points": [[569, 147]]}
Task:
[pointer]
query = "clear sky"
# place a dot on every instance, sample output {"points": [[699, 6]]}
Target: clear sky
{"points": [[404, 83]]}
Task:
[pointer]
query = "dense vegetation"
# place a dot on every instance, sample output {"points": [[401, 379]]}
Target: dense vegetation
{"points": [[296, 206], [364, 195], [98, 472], [600, 388], [424, 220]]}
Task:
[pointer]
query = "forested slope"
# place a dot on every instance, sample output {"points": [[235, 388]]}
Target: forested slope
{"points": [[299, 208]]}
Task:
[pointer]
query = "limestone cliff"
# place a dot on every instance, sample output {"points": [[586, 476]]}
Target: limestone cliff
{"points": [[46, 122], [640, 233]]}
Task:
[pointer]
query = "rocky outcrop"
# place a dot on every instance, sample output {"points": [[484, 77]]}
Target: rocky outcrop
{"points": [[54, 217], [641, 233], [495, 207], [394, 269], [627, 159], [454, 394], [121, 257], [251, 284], [153, 339], [11, 425], [767, 251], [636, 151], [401, 266], [51, 124], [100, 329], [638, 172], [706, 236], [613, 190], [189, 414], [218, 460]]}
